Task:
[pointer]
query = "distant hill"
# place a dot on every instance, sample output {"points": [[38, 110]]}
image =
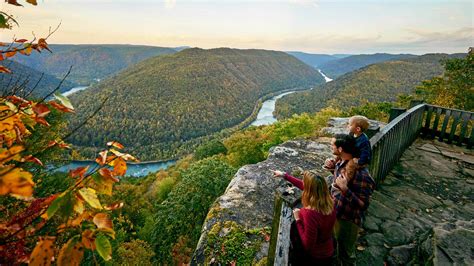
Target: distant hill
{"points": [[90, 62], [29, 78], [336, 68], [313, 60], [161, 104], [374, 83]]}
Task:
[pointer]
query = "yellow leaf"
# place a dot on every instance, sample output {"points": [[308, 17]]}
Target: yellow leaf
{"points": [[43, 252], [79, 206], [71, 253], [16, 182], [120, 167], [13, 153], [89, 195]]}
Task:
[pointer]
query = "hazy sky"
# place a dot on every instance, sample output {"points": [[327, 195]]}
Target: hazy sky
{"points": [[408, 26]]}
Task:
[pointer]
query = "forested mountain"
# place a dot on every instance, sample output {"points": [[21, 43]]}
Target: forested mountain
{"points": [[158, 105], [374, 83], [89, 62], [336, 68], [23, 79], [313, 60]]}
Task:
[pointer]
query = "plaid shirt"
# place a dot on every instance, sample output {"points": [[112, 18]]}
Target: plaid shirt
{"points": [[359, 188]]}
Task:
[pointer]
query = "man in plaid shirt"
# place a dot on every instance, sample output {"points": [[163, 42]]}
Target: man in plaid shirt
{"points": [[351, 197]]}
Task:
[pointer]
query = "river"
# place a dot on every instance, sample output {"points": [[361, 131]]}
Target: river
{"points": [[264, 117]]}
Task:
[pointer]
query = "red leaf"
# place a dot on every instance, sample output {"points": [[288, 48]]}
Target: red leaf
{"points": [[5, 70], [21, 40], [107, 174], [41, 110], [13, 2], [60, 107], [42, 121], [32, 159], [78, 172], [114, 206]]}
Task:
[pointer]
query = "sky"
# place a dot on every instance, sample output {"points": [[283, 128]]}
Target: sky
{"points": [[327, 27]]}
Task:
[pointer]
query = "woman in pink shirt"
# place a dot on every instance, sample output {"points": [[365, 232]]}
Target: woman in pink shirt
{"points": [[314, 222]]}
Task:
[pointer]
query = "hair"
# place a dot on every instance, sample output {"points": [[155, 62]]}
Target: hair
{"points": [[360, 121], [347, 143], [316, 194]]}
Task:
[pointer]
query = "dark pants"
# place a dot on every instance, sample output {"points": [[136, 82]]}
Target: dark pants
{"points": [[346, 237], [298, 256]]}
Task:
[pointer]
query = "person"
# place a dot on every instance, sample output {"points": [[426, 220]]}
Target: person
{"points": [[312, 233], [357, 126], [351, 197]]}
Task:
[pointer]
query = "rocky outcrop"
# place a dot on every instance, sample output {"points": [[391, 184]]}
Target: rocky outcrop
{"points": [[248, 202]]}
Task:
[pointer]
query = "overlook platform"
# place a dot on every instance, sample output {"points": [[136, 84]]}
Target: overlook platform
{"points": [[424, 210]]}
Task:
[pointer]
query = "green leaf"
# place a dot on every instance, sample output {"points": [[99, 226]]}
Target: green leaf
{"points": [[90, 196], [3, 22], [64, 100], [103, 247], [54, 207]]}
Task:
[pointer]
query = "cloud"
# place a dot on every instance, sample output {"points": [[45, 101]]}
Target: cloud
{"points": [[314, 3]]}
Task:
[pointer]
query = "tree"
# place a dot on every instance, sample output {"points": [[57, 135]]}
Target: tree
{"points": [[37, 226], [455, 88]]}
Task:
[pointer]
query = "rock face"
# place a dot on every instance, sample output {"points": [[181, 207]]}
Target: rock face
{"points": [[249, 199], [338, 125]]}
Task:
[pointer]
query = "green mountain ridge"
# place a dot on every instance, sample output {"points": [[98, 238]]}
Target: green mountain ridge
{"points": [[89, 62], [374, 83], [336, 68], [160, 105], [29, 80]]}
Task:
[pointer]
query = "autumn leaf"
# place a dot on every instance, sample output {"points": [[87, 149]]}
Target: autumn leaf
{"points": [[16, 182], [32, 159], [71, 253], [108, 175], [41, 110], [120, 167], [13, 153], [33, 2], [10, 54], [79, 205], [60, 107], [43, 252], [102, 221], [89, 195], [78, 172], [63, 205], [13, 2], [102, 159], [103, 247], [125, 156], [114, 206], [87, 239], [5, 70], [115, 144], [64, 100]]}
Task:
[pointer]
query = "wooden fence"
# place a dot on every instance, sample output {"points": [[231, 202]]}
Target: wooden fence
{"points": [[388, 145]]}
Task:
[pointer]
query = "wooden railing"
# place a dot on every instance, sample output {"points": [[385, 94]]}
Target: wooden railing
{"points": [[388, 145]]}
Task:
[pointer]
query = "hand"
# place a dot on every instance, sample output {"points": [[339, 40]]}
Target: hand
{"points": [[329, 163], [277, 173], [341, 182], [296, 214]]}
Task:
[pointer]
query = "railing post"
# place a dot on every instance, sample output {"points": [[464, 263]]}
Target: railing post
{"points": [[395, 112]]}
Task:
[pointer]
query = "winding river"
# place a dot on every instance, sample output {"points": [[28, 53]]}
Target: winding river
{"points": [[264, 117]]}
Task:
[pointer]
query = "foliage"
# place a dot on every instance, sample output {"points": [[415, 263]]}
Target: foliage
{"points": [[336, 68], [90, 63], [167, 102], [209, 149], [251, 146], [135, 252], [381, 82], [376, 111], [51, 223], [455, 88], [27, 82], [183, 212]]}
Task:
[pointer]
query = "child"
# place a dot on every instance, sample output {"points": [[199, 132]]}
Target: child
{"points": [[357, 126]]}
